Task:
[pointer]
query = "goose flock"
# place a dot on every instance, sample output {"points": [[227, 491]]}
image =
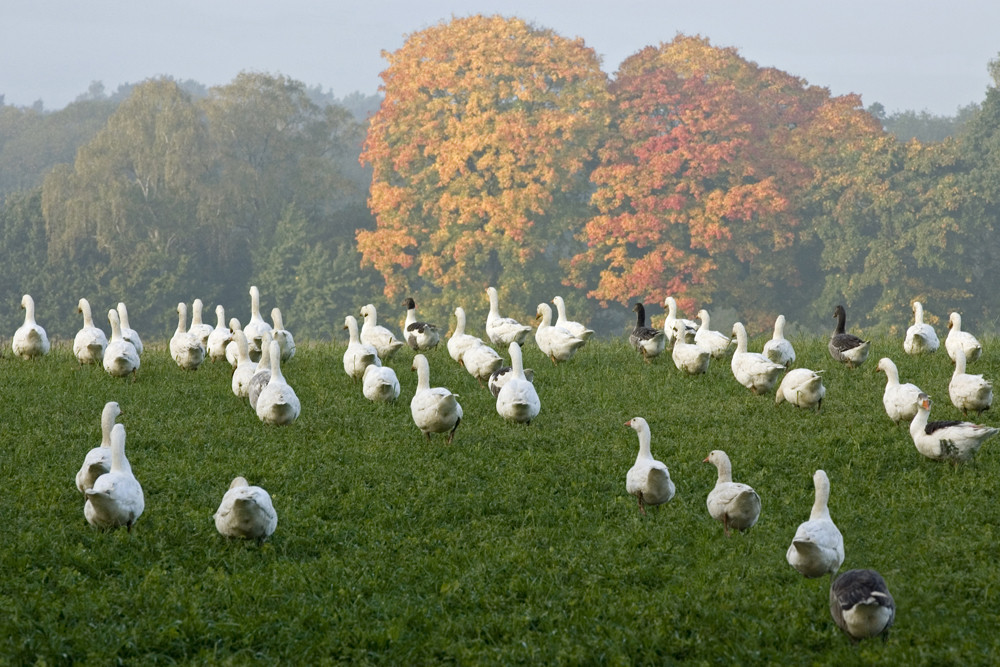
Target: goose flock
{"points": [[860, 602], [113, 497]]}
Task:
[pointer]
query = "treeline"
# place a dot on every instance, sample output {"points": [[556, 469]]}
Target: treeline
{"points": [[171, 191], [501, 154]]}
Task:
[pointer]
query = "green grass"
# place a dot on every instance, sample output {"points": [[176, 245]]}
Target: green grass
{"points": [[517, 544]]}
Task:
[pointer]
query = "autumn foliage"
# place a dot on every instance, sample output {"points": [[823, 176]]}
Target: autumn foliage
{"points": [[480, 156], [699, 184]]}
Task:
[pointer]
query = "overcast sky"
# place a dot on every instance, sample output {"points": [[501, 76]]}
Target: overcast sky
{"points": [[907, 54]]}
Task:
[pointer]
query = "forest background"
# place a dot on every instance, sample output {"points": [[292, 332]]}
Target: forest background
{"points": [[498, 152]]}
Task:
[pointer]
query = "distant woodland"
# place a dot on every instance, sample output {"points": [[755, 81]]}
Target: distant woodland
{"points": [[499, 153]]}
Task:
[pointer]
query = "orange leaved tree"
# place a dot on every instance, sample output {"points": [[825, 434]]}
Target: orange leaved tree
{"points": [[698, 184], [480, 154]]}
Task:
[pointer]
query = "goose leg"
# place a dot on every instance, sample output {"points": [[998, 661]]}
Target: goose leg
{"points": [[725, 524], [642, 504]]}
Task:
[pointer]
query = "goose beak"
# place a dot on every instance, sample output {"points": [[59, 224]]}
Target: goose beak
{"points": [[706, 460]]}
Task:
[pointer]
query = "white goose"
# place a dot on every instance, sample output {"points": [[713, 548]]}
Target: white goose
{"points": [[420, 336], [240, 382], [90, 341], [649, 341], [502, 331], [779, 349], [900, 400], [517, 399], [818, 546], [751, 369], [688, 355], [30, 340], [373, 333], [246, 512], [920, 337], [958, 339], [801, 387], [968, 391], [954, 441], [648, 479], [575, 328], [735, 504], [844, 347], [502, 376], [128, 333], [284, 337], [460, 341], [481, 360], [198, 327], [861, 604], [434, 409], [554, 341], [120, 358], [255, 328], [261, 374], [185, 347], [116, 498], [380, 384], [358, 356], [98, 460], [232, 351], [220, 337], [670, 303], [277, 403], [716, 342]]}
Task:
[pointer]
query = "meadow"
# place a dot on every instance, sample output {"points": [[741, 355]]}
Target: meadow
{"points": [[515, 544]]}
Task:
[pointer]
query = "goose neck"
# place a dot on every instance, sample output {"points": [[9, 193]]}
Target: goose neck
{"points": [[960, 362], [560, 307], [741, 337], [644, 443], [423, 373], [459, 321], [841, 316], [820, 508], [116, 326], [123, 315], [118, 461], [254, 301], [29, 309], [640, 315], [275, 360], [108, 416], [725, 468]]}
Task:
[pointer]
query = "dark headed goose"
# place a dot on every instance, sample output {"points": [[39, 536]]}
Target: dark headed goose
{"points": [[648, 341], [844, 347]]}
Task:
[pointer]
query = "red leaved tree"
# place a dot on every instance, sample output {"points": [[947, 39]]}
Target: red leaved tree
{"points": [[697, 186]]}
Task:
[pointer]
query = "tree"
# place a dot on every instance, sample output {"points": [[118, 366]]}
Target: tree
{"points": [[274, 147], [480, 154], [696, 191]]}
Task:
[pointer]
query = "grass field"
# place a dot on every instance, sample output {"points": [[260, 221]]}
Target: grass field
{"points": [[516, 544]]}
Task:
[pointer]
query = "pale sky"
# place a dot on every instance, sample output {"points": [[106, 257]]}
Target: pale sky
{"points": [[921, 55]]}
